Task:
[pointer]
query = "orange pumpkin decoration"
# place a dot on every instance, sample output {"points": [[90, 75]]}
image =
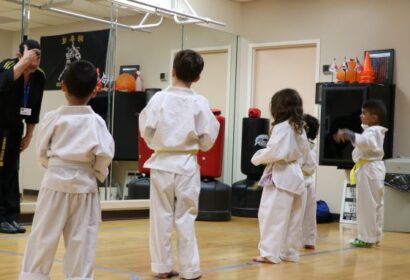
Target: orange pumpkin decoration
{"points": [[125, 82], [351, 75]]}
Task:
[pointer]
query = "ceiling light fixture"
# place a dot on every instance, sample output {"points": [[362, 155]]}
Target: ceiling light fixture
{"points": [[132, 5], [192, 18], [150, 9]]}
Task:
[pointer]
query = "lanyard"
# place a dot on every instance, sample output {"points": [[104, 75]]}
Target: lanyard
{"points": [[26, 94]]}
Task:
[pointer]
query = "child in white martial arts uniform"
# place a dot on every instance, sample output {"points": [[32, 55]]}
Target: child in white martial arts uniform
{"points": [[280, 210], [309, 230], [76, 149], [369, 172], [176, 123]]}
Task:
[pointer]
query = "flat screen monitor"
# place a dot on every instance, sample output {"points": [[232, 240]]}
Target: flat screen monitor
{"points": [[130, 69]]}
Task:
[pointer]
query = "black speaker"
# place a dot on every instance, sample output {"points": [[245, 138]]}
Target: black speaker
{"points": [[124, 120], [341, 108]]}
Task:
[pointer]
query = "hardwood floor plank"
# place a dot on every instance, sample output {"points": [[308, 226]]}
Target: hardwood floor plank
{"points": [[226, 250]]}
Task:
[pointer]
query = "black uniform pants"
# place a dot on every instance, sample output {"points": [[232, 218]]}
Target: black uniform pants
{"points": [[10, 139]]}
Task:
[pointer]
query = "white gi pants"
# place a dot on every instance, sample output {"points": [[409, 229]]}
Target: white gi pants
{"points": [[76, 215], [280, 222], [174, 200], [309, 230], [370, 205]]}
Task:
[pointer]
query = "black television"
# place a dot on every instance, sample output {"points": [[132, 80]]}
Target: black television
{"points": [[340, 108]]}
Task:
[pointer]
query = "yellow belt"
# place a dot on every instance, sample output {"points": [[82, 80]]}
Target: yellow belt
{"points": [[192, 152], [307, 173], [2, 150], [353, 171]]}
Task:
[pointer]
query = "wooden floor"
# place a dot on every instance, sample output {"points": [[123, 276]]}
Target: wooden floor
{"points": [[226, 250]]}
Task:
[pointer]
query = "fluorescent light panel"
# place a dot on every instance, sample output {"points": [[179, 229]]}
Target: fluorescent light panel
{"points": [[133, 5]]}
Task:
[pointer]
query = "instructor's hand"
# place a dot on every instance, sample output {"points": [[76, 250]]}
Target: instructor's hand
{"points": [[25, 142], [31, 57]]}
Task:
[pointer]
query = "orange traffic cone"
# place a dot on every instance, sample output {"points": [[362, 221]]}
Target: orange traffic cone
{"points": [[367, 75]]}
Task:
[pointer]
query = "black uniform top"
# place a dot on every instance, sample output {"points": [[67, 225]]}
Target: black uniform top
{"points": [[12, 95]]}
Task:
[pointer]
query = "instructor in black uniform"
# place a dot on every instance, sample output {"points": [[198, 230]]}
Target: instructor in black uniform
{"points": [[21, 92]]}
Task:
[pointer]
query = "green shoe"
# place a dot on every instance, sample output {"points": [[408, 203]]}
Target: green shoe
{"points": [[361, 244]]}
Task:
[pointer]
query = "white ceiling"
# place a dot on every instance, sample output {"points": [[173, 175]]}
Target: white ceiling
{"points": [[10, 13]]}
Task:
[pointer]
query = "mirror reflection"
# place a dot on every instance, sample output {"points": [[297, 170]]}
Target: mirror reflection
{"points": [[152, 52]]}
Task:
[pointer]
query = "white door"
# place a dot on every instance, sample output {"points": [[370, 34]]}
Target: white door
{"points": [[288, 66], [214, 78]]}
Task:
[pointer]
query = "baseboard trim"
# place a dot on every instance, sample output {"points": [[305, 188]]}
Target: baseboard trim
{"points": [[114, 210], [111, 210], [30, 192], [27, 218], [106, 205]]}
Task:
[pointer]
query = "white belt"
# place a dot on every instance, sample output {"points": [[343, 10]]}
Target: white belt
{"points": [[191, 152], [57, 162]]}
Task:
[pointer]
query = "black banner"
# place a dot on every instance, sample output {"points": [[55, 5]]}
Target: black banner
{"points": [[57, 52]]}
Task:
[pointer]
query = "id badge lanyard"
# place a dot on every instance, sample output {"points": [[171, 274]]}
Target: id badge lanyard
{"points": [[26, 94], [25, 111]]}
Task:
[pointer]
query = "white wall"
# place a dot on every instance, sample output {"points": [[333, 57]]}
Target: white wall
{"points": [[226, 11], [6, 50], [345, 28]]}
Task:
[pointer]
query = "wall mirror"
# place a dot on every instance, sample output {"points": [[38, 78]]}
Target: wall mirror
{"points": [[152, 50]]}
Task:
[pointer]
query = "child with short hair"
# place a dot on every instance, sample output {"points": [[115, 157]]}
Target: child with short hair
{"points": [[280, 210], [309, 229], [176, 123], [369, 172], [75, 147]]}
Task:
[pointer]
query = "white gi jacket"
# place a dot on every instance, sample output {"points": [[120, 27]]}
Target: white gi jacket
{"points": [[309, 164], [74, 136], [176, 123], [369, 146], [283, 153]]}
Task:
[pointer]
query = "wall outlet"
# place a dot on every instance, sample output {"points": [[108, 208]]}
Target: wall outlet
{"points": [[163, 77], [325, 69]]}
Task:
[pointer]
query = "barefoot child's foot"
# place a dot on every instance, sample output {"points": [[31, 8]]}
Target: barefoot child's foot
{"points": [[262, 260], [167, 275]]}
